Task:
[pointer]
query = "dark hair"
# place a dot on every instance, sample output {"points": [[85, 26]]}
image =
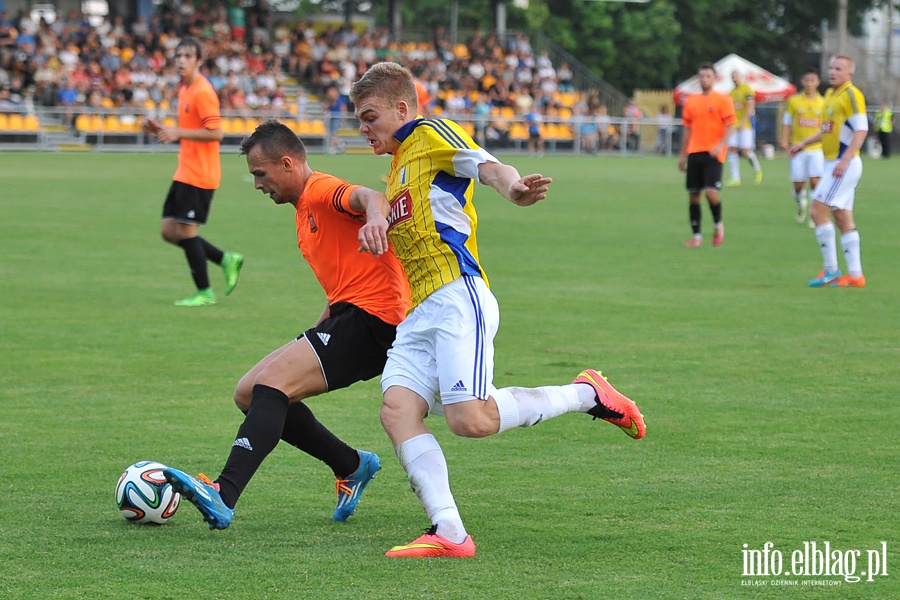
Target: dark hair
{"points": [[811, 71], [191, 42], [707, 65], [274, 140]]}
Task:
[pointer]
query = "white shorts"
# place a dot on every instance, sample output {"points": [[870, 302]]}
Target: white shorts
{"points": [[839, 192], [744, 139], [444, 349], [807, 164]]}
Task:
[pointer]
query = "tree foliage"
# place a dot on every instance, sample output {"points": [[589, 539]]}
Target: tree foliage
{"points": [[657, 44]]}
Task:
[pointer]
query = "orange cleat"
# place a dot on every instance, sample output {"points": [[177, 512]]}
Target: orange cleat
{"points": [[432, 545], [612, 406], [849, 281], [719, 236], [693, 243]]}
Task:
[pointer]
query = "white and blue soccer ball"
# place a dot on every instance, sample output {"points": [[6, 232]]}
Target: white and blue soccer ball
{"points": [[143, 494]]}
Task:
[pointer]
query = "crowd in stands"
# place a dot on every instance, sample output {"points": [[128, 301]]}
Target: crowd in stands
{"points": [[251, 55]]}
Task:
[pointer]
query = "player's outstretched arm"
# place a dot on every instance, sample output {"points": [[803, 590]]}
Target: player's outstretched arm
{"points": [[522, 191], [373, 235]]}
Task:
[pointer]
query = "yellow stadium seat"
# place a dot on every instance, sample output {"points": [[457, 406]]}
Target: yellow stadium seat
{"points": [[81, 122], [237, 125], [468, 127], [16, 122], [303, 128], [111, 123], [32, 123], [170, 122], [250, 125], [517, 131], [317, 127], [4, 121], [95, 123]]}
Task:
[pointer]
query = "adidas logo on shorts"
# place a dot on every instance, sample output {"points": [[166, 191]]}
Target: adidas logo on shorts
{"points": [[459, 386], [324, 337]]}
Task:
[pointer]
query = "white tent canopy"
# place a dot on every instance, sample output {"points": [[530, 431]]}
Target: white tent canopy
{"points": [[768, 87]]}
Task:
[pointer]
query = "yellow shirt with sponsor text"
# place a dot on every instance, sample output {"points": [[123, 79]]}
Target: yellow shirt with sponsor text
{"points": [[806, 117], [841, 105], [432, 220], [742, 95]]}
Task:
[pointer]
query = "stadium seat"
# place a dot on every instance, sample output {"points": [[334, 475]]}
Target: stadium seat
{"points": [[16, 122], [32, 123], [81, 122], [317, 127], [237, 126], [111, 123], [250, 124], [4, 121], [517, 131], [95, 123], [303, 128]]}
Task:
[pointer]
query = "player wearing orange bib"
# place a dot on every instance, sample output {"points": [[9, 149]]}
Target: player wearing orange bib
{"points": [[367, 297], [442, 361], [708, 120], [803, 119], [199, 173]]}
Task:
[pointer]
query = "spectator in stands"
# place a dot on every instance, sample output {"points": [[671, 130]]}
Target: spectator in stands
{"points": [[632, 115], [664, 123], [335, 107]]}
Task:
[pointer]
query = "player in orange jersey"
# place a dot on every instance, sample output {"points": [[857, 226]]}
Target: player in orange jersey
{"points": [[199, 173], [367, 297], [709, 121]]}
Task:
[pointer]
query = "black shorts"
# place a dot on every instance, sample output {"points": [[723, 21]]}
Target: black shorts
{"points": [[187, 204], [703, 172], [351, 345]]}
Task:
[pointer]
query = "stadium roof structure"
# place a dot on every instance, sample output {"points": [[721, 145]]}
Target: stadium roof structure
{"points": [[768, 87]]}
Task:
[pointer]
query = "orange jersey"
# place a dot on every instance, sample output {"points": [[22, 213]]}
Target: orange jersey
{"points": [[327, 231], [198, 162], [708, 116]]}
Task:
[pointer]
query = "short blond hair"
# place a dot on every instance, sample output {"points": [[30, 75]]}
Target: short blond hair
{"points": [[849, 60], [387, 80]]}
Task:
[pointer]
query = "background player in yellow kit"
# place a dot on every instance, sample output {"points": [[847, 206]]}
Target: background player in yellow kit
{"points": [[743, 140], [803, 119]]}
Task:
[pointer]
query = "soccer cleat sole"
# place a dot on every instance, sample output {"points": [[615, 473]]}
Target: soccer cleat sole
{"points": [[433, 546], [631, 421], [188, 494]]}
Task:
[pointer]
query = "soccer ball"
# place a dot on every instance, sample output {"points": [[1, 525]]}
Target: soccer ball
{"points": [[143, 494]]}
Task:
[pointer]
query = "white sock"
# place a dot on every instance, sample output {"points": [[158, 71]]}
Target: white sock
{"points": [[751, 156], [734, 162], [798, 198], [423, 460], [524, 407], [825, 235], [850, 244]]}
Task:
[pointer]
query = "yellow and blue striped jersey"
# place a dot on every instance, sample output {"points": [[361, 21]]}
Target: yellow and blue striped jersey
{"points": [[804, 115], [845, 114], [432, 220], [742, 95]]}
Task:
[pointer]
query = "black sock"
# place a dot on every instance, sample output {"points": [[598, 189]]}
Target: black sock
{"points": [[716, 212], [196, 257], [695, 218], [212, 253], [302, 430], [256, 438]]}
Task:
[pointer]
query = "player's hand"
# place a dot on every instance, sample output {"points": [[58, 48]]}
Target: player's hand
{"points": [[373, 236], [840, 169], [783, 145], [529, 189], [682, 163], [164, 134], [796, 148], [151, 126]]}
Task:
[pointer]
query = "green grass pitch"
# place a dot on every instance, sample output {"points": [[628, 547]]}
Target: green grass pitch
{"points": [[771, 408]]}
